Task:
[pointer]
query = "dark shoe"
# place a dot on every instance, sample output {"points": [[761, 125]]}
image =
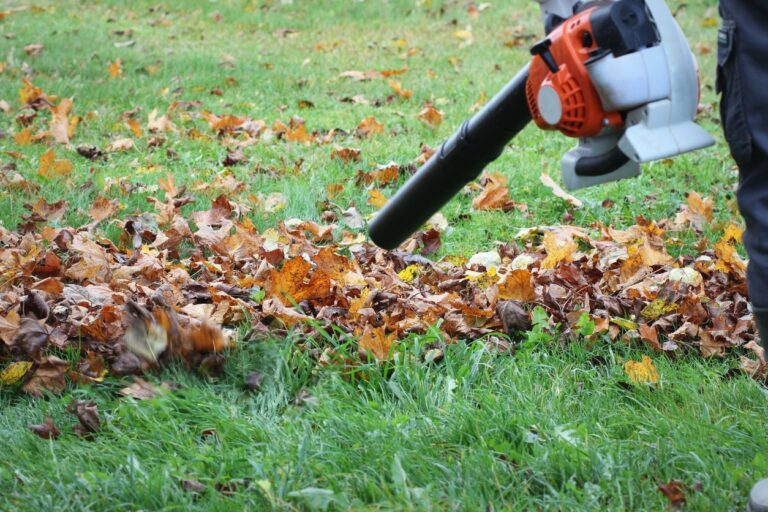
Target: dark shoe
{"points": [[758, 496]]}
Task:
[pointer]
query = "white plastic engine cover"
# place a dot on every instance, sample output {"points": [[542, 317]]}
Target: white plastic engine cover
{"points": [[629, 81]]}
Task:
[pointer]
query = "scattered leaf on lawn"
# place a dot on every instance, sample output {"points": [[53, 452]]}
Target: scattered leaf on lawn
{"points": [[49, 167], [376, 198], [14, 372], [120, 145], [46, 430], [369, 126], [115, 69], [430, 116], [548, 182], [642, 372]]}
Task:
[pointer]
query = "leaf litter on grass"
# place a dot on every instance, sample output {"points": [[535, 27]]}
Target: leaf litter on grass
{"points": [[177, 285]]}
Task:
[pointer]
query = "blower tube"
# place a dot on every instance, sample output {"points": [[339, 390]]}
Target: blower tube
{"points": [[460, 159]]}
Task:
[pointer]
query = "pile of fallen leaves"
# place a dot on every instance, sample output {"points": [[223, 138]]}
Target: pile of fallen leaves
{"points": [[167, 291], [77, 306]]}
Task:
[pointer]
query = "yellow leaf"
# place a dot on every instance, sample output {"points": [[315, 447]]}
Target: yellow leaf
{"points": [[409, 273], [658, 308], [376, 198], [557, 250], [14, 372], [642, 372], [733, 233], [624, 323]]}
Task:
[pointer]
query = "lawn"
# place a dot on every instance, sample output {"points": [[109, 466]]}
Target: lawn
{"points": [[556, 425]]}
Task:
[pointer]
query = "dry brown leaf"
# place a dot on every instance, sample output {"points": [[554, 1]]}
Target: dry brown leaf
{"points": [[495, 194], [122, 144], [102, 208], [548, 182], [346, 154]]}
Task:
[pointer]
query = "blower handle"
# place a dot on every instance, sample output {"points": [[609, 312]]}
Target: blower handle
{"points": [[460, 159]]}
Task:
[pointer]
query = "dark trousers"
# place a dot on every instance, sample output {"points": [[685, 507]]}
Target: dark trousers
{"points": [[742, 78]]}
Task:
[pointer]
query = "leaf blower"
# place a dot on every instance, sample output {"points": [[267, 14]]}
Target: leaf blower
{"points": [[617, 74]]}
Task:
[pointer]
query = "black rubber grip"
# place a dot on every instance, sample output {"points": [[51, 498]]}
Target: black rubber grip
{"points": [[459, 160]]}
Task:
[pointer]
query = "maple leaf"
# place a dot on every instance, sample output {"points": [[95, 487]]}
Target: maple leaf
{"points": [[728, 260], [642, 372], [697, 213], [430, 116], [24, 137], [48, 375], [369, 126], [517, 285], [495, 194], [87, 414], [376, 198], [102, 208], [50, 168], [34, 49], [159, 124], [398, 89], [374, 341], [558, 249]]}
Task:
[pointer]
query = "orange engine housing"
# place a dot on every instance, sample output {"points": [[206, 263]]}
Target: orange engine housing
{"points": [[582, 111]]}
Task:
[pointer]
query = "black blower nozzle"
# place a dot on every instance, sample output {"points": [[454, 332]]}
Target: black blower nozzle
{"points": [[459, 160]]}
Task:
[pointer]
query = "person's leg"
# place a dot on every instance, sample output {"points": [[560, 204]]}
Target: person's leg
{"points": [[742, 77]]}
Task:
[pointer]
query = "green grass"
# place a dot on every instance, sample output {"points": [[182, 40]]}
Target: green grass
{"points": [[555, 427]]}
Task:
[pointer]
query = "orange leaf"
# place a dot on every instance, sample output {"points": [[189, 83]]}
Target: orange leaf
{"points": [[369, 126], [135, 127], [115, 69], [346, 154], [517, 285], [495, 194], [374, 341], [376, 198], [24, 137], [50, 167], [430, 116]]}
